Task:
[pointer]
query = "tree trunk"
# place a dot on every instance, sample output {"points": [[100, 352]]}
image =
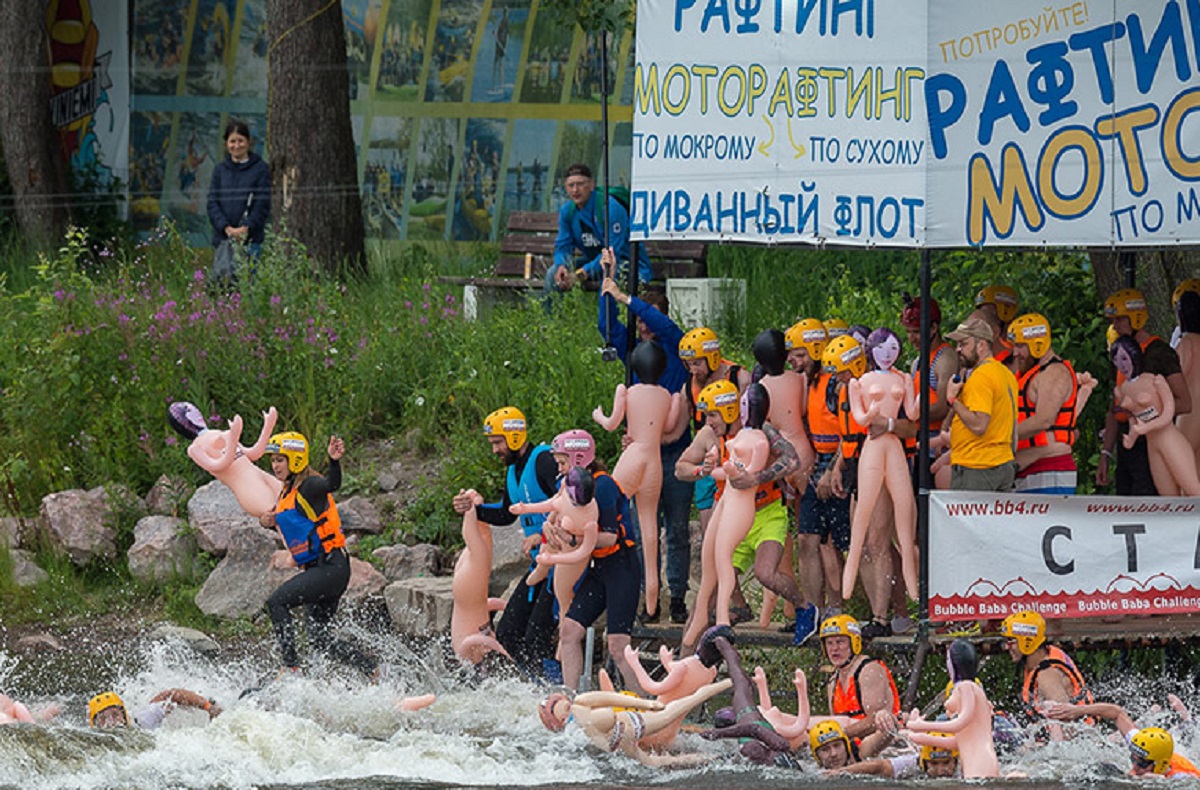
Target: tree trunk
{"points": [[35, 167], [1156, 273], [314, 181]]}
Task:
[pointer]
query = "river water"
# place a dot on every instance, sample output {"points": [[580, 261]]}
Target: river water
{"points": [[326, 729]]}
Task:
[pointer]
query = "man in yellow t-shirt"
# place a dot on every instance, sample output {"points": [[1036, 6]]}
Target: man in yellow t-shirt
{"points": [[983, 408]]}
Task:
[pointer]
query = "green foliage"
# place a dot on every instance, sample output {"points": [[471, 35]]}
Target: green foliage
{"points": [[592, 15]]}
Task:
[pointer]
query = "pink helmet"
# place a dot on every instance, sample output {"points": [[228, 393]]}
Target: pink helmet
{"points": [[577, 444]]}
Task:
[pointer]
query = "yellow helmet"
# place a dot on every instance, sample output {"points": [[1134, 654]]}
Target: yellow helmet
{"points": [[1128, 302], [844, 353], [723, 397], [508, 422], [1192, 285], [1155, 745], [1002, 297], [702, 343], [1027, 627], [826, 732], [843, 625], [1110, 336], [294, 446], [1033, 330], [102, 702], [935, 752], [809, 334], [836, 327]]}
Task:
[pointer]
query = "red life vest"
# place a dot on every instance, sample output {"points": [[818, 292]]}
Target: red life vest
{"points": [[846, 700], [1056, 660], [1063, 428]]}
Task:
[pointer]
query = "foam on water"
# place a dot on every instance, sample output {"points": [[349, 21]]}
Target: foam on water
{"points": [[331, 727]]}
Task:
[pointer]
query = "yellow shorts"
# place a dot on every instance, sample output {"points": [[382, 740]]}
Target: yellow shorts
{"points": [[770, 523]]}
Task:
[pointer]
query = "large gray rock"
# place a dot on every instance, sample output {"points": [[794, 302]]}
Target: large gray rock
{"points": [[25, 571], [365, 581], [405, 562], [10, 532], [389, 477], [508, 561], [246, 577], [77, 523], [162, 549], [196, 640], [168, 496], [359, 514], [420, 606], [215, 515]]}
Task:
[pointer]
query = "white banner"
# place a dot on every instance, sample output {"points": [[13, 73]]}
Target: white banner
{"points": [[945, 124], [780, 122], [1079, 556]]}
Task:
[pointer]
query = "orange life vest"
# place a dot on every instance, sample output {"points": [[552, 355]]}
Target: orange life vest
{"points": [[694, 392], [846, 700], [623, 540], [1181, 766], [823, 426], [327, 525], [766, 493], [1063, 428], [852, 433], [1056, 660]]}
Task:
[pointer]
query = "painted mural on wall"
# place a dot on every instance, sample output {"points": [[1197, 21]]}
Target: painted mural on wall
{"points": [[89, 96], [462, 110]]}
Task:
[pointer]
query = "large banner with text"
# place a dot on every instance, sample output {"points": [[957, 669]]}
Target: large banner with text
{"points": [[1080, 556], [941, 124]]}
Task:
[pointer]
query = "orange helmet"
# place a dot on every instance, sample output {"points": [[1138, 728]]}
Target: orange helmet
{"points": [[1002, 297], [1128, 302]]}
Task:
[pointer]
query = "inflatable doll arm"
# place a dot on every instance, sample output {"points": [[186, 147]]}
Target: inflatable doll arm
{"points": [[256, 451], [618, 411]]}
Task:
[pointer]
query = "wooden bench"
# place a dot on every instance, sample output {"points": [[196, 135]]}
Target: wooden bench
{"points": [[527, 250]]}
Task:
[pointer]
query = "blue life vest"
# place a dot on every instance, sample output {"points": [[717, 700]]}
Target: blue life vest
{"points": [[298, 532], [529, 491]]}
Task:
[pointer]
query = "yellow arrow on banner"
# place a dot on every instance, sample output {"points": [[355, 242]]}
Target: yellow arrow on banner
{"points": [[764, 147], [799, 149]]}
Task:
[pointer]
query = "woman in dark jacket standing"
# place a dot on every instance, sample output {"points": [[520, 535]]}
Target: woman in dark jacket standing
{"points": [[239, 197]]}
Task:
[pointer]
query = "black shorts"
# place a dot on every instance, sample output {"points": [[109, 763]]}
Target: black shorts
{"points": [[611, 584]]}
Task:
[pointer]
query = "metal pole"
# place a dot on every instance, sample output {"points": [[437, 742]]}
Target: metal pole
{"points": [[589, 653], [923, 479]]}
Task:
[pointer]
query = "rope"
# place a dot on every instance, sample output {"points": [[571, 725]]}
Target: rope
{"points": [[299, 25]]}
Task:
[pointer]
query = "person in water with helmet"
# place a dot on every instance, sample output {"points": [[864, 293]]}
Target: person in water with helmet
{"points": [[1047, 673], [107, 710], [1151, 749], [308, 520]]}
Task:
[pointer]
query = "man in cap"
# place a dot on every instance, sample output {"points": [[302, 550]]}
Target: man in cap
{"points": [[983, 413]]}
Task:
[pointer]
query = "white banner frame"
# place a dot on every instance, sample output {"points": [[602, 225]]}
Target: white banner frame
{"points": [[1063, 556]]}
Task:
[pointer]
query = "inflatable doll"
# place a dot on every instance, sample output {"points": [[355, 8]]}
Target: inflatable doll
{"points": [[876, 394], [648, 410], [220, 454], [575, 511], [470, 619], [1151, 406]]}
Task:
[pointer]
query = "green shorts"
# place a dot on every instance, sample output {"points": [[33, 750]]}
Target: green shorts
{"points": [[770, 523]]}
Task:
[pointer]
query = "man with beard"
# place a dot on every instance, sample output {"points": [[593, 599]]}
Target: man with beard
{"points": [[983, 411]]}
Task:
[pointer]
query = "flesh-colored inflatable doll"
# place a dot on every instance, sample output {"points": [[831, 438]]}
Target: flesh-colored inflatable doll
{"points": [[1187, 307], [748, 452], [684, 678], [879, 394], [470, 619], [788, 391], [220, 454], [574, 509], [648, 410], [1151, 406], [970, 727]]}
